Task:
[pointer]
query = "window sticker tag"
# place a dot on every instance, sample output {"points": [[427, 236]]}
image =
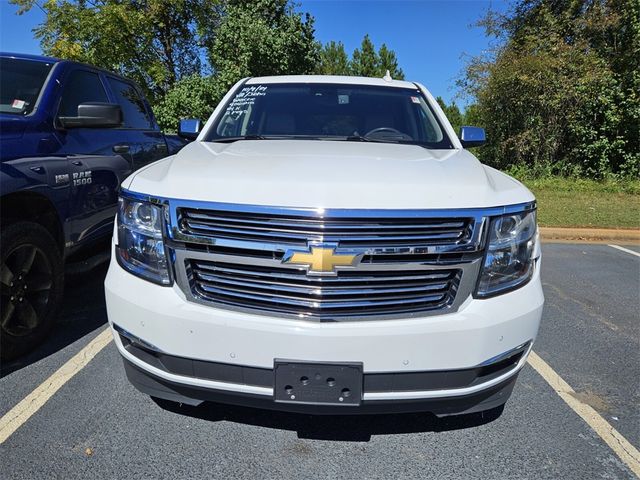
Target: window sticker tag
{"points": [[19, 104], [343, 99], [245, 98], [415, 99]]}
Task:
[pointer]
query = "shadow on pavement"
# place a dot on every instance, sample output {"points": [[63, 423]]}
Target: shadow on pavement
{"points": [[83, 310], [349, 428]]}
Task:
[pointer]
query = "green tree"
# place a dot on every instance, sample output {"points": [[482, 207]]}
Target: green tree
{"points": [[472, 116], [365, 60], [453, 114], [561, 90], [191, 97], [334, 60], [154, 42], [262, 37], [389, 61]]}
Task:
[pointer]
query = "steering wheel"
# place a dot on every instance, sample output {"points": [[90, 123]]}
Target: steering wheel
{"points": [[385, 129]]}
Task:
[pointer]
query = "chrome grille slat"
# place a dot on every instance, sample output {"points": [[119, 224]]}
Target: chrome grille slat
{"points": [[319, 291], [304, 237], [281, 228], [334, 224], [260, 231], [325, 286], [296, 274], [329, 305], [350, 293]]}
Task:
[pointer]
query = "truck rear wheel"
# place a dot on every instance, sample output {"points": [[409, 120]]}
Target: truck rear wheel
{"points": [[31, 286]]}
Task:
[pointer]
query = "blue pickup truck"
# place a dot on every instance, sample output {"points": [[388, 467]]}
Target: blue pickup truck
{"points": [[69, 134]]}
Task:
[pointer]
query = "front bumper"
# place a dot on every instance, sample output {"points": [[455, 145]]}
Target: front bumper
{"points": [[175, 342]]}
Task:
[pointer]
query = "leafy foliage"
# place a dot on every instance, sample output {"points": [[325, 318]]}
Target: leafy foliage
{"points": [[191, 97], [262, 37], [334, 60], [153, 42], [365, 61], [453, 113], [561, 92], [387, 60]]}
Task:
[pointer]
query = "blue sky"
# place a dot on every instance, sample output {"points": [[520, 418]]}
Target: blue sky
{"points": [[431, 38]]}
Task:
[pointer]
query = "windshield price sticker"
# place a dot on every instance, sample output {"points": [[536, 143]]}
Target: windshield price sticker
{"points": [[245, 98]]}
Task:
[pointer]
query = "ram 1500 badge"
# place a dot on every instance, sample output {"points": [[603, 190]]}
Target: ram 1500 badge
{"points": [[326, 245]]}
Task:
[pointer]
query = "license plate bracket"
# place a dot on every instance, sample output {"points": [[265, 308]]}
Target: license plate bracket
{"points": [[318, 383]]}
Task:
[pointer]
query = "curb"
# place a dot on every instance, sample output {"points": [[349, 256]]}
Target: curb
{"points": [[590, 234]]}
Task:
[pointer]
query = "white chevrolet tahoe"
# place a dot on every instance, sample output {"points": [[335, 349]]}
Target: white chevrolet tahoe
{"points": [[326, 245]]}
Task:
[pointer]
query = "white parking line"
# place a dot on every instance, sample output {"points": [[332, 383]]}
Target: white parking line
{"points": [[18, 415], [622, 249], [620, 445]]}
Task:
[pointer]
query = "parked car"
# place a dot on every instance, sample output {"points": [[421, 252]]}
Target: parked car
{"points": [[326, 245], [69, 134]]}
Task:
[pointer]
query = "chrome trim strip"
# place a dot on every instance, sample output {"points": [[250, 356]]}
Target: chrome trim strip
{"points": [[333, 291], [134, 339], [507, 354], [371, 396], [453, 392], [191, 381], [337, 212]]}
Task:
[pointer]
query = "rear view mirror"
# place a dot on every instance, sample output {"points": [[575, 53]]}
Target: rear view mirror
{"points": [[94, 115], [189, 128], [472, 136]]}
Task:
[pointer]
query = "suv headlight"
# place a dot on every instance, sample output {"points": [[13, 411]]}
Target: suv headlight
{"points": [[140, 248], [509, 261]]}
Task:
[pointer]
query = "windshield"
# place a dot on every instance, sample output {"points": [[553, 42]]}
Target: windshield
{"points": [[330, 112], [20, 84]]}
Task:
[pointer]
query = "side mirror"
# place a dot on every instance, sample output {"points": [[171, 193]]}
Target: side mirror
{"points": [[189, 128], [472, 136], [94, 115]]}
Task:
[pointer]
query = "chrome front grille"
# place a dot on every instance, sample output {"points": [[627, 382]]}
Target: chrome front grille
{"points": [[351, 293], [407, 262], [347, 231]]}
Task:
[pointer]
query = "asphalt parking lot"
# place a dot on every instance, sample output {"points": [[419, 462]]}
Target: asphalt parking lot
{"points": [[97, 426]]}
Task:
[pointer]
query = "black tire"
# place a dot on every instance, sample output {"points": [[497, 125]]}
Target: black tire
{"points": [[31, 286]]}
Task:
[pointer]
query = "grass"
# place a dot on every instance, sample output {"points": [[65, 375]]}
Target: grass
{"points": [[566, 202]]}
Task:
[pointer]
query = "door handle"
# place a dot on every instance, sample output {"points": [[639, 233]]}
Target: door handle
{"points": [[121, 148]]}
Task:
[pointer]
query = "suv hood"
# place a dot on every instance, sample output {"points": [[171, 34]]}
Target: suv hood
{"points": [[328, 174]]}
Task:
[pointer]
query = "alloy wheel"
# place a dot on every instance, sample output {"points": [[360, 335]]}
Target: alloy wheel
{"points": [[26, 280]]}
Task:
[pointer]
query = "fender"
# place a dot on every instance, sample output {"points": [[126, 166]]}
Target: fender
{"points": [[37, 175], [94, 186], [84, 209]]}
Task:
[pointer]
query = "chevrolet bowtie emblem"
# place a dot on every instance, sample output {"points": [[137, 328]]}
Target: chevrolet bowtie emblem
{"points": [[321, 259]]}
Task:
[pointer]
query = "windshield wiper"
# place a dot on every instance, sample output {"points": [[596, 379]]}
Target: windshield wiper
{"points": [[401, 141], [356, 138], [360, 138], [243, 137]]}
